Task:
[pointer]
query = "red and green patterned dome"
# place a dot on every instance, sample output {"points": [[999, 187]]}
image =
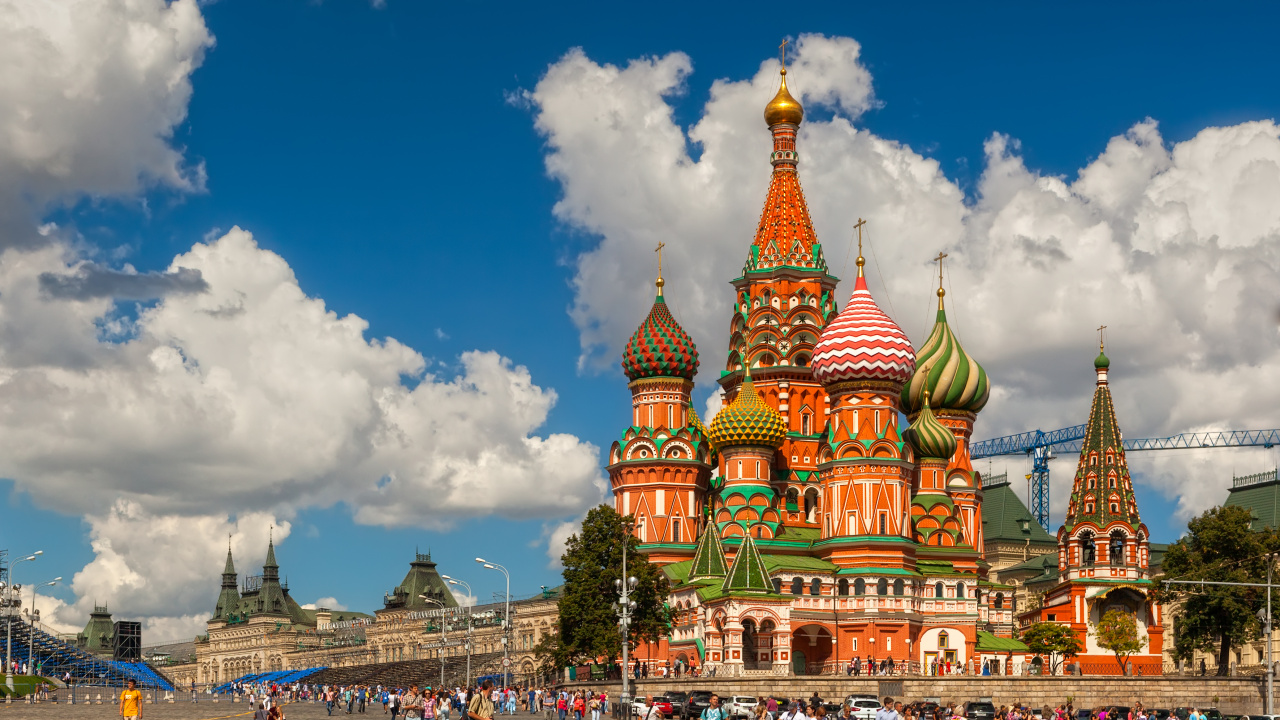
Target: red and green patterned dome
{"points": [[946, 372], [660, 347], [748, 421]]}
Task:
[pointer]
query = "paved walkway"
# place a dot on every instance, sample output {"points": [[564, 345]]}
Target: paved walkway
{"points": [[203, 710]]}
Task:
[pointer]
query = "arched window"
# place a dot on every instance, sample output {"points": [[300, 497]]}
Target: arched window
{"points": [[797, 586], [960, 590], [859, 587], [842, 586], [937, 590], [999, 601], [1115, 553], [944, 641], [1113, 482], [815, 587], [777, 585], [1087, 549], [882, 587], [806, 421], [897, 586]]}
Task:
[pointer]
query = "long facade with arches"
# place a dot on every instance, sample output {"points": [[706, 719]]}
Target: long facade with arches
{"points": [[830, 511]]}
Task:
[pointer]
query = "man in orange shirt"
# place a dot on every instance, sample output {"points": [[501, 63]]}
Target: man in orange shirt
{"points": [[131, 702]]}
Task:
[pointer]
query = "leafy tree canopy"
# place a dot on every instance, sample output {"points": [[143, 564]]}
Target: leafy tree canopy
{"points": [[1053, 639], [1219, 546], [1117, 631], [588, 623]]}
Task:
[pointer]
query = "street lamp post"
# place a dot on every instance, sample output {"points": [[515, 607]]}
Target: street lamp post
{"points": [[506, 622], [34, 614], [625, 607], [463, 583], [9, 590], [442, 631]]}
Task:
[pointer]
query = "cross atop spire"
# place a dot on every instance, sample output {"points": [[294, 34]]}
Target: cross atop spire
{"points": [[1102, 338], [941, 293], [782, 54], [861, 260], [660, 282]]}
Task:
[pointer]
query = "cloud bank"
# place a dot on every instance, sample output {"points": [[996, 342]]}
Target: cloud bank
{"points": [[1175, 247], [225, 399]]}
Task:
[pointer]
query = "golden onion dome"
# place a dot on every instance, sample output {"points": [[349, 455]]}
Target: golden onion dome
{"points": [[783, 108], [748, 421]]}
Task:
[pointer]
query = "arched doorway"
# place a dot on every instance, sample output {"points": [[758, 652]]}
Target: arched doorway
{"points": [[811, 649], [749, 640]]}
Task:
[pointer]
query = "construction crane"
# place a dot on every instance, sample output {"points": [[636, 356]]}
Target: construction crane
{"points": [[1041, 446]]}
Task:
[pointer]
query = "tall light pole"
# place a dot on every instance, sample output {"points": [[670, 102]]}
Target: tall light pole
{"points": [[35, 615], [454, 581], [506, 622], [442, 629], [625, 607], [11, 588]]}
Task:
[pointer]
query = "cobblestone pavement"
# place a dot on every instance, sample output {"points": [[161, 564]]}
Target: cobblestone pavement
{"points": [[178, 710]]}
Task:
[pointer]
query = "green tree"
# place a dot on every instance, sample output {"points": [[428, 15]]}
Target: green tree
{"points": [[1219, 546], [1117, 631], [1053, 639], [588, 624]]}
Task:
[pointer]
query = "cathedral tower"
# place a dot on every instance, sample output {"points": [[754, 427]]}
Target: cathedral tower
{"points": [[229, 597], [783, 300], [863, 360], [959, 389], [660, 468], [747, 435]]}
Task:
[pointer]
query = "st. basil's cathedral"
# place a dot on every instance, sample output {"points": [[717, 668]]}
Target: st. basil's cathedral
{"points": [[807, 527]]}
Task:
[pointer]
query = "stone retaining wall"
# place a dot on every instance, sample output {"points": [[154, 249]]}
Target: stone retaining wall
{"points": [[1233, 696]]}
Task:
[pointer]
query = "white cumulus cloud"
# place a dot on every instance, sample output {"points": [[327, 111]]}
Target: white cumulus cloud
{"points": [[1175, 247]]}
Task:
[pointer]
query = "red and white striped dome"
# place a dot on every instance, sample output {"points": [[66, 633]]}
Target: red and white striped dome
{"points": [[862, 343]]}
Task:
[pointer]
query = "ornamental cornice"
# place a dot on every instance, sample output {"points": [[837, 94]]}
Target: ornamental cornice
{"points": [[848, 387], [661, 382]]}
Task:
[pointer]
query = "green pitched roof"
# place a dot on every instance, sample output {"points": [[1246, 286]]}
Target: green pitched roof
{"points": [[1003, 516], [748, 573], [991, 643], [422, 579], [799, 563], [1261, 499], [708, 559]]}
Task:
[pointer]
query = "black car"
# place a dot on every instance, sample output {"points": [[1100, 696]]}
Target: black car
{"points": [[1159, 714], [696, 702], [979, 710], [678, 700]]}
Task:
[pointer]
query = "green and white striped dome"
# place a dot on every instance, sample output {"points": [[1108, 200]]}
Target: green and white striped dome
{"points": [[954, 380], [930, 438]]}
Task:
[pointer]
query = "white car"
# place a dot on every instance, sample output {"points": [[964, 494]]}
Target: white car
{"points": [[863, 708], [739, 706]]}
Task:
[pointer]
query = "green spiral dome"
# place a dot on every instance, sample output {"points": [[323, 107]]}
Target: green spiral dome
{"points": [[930, 438], [951, 376]]}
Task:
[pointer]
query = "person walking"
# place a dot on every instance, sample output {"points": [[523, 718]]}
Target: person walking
{"points": [[481, 706], [131, 701]]}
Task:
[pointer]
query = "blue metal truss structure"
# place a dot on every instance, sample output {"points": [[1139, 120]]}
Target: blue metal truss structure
{"points": [[1041, 446]]}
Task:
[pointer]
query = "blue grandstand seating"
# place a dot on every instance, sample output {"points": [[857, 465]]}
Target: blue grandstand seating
{"points": [[59, 657]]}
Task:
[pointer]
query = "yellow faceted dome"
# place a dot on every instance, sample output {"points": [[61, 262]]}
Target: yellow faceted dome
{"points": [[748, 421], [783, 108]]}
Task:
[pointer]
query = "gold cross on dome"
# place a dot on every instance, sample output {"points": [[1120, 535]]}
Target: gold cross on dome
{"points": [[858, 226], [1102, 337], [939, 259], [659, 251], [782, 53]]}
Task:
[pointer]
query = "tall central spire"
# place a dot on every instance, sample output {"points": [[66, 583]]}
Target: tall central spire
{"points": [[785, 234]]}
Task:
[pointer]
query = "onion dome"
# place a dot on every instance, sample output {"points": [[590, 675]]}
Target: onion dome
{"points": [[1102, 362], [947, 373], [783, 108], [748, 421], [660, 347], [930, 438], [863, 343]]}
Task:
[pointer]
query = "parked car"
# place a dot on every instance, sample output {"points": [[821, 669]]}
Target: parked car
{"points": [[1212, 714], [1159, 713], [678, 701], [738, 706], [698, 701], [658, 700], [865, 708], [980, 710], [861, 696]]}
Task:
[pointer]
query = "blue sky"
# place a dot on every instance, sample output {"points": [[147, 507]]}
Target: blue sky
{"points": [[379, 151]]}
